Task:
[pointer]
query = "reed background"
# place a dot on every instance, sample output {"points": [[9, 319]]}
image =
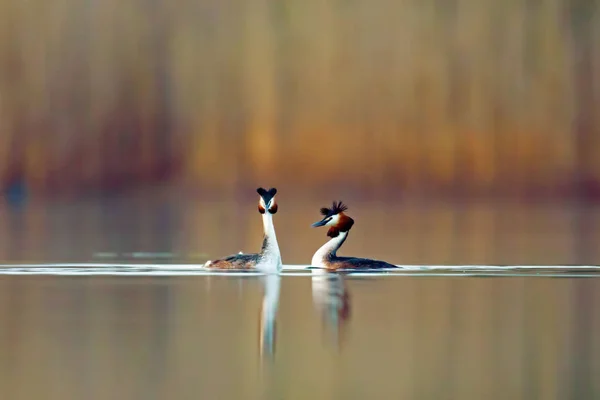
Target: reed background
{"points": [[455, 96]]}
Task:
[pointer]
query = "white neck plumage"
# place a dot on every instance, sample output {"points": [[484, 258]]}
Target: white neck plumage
{"points": [[328, 250], [271, 258]]}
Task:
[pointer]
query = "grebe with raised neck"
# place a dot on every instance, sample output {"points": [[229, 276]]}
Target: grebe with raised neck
{"points": [[269, 258]]}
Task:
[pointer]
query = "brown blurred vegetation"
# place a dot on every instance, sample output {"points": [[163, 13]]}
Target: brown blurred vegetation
{"points": [[452, 95]]}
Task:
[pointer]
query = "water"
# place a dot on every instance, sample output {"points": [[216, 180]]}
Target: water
{"points": [[140, 269], [352, 337], [173, 228], [104, 300]]}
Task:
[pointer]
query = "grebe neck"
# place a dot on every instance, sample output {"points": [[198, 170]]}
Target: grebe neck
{"points": [[270, 255], [328, 250]]}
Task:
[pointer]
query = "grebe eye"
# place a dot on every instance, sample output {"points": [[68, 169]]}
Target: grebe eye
{"points": [[273, 209]]}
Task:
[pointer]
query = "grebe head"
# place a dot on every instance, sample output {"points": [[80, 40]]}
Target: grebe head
{"points": [[335, 218], [267, 201]]}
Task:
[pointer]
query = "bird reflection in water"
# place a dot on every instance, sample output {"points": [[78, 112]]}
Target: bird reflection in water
{"points": [[268, 312], [332, 300]]}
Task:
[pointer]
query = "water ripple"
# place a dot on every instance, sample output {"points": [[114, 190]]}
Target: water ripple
{"points": [[138, 269]]}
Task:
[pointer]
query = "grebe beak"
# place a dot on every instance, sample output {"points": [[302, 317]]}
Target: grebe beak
{"points": [[319, 223]]}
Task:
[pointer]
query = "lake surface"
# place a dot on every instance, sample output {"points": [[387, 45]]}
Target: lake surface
{"points": [[174, 227], [222, 337], [158, 328]]}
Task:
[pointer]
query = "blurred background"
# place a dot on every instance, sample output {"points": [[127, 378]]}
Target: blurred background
{"points": [[188, 106], [454, 96]]}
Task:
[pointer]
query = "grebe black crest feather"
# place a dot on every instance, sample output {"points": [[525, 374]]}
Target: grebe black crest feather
{"points": [[267, 195], [336, 208]]}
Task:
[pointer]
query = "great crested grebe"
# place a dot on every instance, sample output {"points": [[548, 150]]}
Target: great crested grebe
{"points": [[269, 258], [340, 225]]}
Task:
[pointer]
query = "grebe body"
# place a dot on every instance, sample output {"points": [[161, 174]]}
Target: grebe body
{"points": [[339, 227], [269, 257]]}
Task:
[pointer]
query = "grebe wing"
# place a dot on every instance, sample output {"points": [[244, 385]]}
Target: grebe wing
{"points": [[363, 263], [235, 261]]}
